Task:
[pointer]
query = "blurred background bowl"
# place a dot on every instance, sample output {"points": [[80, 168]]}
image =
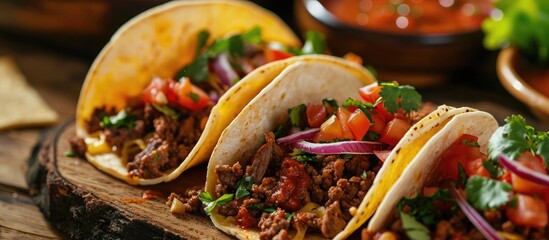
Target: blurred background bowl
{"points": [[510, 69], [417, 59]]}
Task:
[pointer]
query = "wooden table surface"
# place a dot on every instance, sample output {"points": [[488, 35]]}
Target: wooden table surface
{"points": [[58, 77]]}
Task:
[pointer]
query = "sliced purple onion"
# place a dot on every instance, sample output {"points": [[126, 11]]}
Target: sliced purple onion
{"points": [[523, 171], [476, 219], [345, 147], [298, 136], [214, 96], [222, 67]]}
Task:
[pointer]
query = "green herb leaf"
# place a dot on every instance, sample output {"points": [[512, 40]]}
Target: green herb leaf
{"points": [[524, 24], [269, 210], [314, 43], [399, 97], [330, 103], [414, 229], [422, 208], [365, 107], [282, 129], [303, 156], [193, 97], [484, 193], [462, 175], [202, 39], [197, 71], [297, 115], [470, 143], [120, 120], [70, 154], [493, 168], [363, 175], [243, 187], [516, 137], [253, 36], [288, 216], [168, 111], [207, 199]]}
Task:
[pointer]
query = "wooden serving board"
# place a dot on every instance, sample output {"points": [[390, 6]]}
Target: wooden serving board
{"points": [[85, 203]]}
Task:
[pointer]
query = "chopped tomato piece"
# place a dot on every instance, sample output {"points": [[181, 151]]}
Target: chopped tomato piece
{"points": [[382, 155], [506, 177], [370, 93], [343, 115], [529, 212], [378, 124], [154, 91], [383, 113], [359, 124], [316, 114], [463, 152], [244, 219], [330, 130], [190, 96], [394, 131], [535, 163], [474, 167], [274, 55], [429, 191]]}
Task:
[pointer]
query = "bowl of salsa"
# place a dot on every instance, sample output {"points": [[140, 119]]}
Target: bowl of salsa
{"points": [[526, 81], [417, 42]]}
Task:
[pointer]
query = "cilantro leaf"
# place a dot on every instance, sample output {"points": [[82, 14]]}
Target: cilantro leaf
{"points": [[330, 103], [288, 216], [365, 107], [493, 168], [269, 210], [70, 154], [202, 39], [470, 142], [484, 193], [282, 129], [314, 43], [462, 175], [399, 96], [422, 208], [296, 115], [120, 120], [253, 36], [516, 137], [193, 97], [302, 156], [414, 229], [197, 71], [243, 187], [207, 199]]}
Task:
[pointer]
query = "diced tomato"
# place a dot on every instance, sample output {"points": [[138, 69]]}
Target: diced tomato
{"points": [[378, 124], [429, 191], [171, 92], [534, 163], [329, 130], [382, 155], [274, 55], [546, 199], [244, 219], [359, 124], [383, 113], [529, 212], [460, 152], [394, 131], [506, 177], [190, 96], [370, 93], [343, 115], [151, 92], [316, 114]]}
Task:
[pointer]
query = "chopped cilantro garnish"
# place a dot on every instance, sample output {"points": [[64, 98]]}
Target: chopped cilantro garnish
{"points": [[314, 43], [168, 111], [302, 156], [330, 103], [288, 216], [207, 199], [296, 115], [244, 186], [363, 175], [70, 154], [370, 135], [515, 137], [202, 39], [414, 229], [493, 168], [484, 193], [282, 129], [365, 107], [120, 120], [197, 71], [399, 97], [462, 175], [193, 96], [422, 208], [470, 143], [269, 210]]}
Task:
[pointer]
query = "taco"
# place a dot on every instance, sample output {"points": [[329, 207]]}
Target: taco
{"points": [[477, 181], [170, 80], [295, 164]]}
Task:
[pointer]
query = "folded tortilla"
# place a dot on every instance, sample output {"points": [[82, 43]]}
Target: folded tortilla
{"points": [[311, 82], [157, 43], [465, 121]]}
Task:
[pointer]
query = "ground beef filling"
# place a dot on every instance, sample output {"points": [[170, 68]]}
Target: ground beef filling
{"points": [[168, 140], [335, 183], [455, 225]]}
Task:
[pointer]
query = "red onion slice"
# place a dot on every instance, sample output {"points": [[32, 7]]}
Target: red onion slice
{"points": [[523, 171], [298, 136], [222, 67], [476, 219], [345, 147]]}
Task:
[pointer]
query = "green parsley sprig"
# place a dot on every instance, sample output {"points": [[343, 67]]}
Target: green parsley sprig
{"points": [[396, 96], [120, 120], [207, 199]]}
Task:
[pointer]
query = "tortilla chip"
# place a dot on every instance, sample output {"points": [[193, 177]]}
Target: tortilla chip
{"points": [[21, 105]]}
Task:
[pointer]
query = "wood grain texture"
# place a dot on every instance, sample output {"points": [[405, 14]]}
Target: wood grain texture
{"points": [[83, 202]]}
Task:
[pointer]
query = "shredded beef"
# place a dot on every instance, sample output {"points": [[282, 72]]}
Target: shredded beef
{"points": [[150, 162], [190, 200], [260, 162], [94, 123], [230, 209], [274, 225], [309, 219], [266, 187], [78, 146], [332, 222], [227, 178], [350, 192]]}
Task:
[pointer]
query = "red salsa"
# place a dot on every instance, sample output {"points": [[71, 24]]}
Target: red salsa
{"points": [[412, 16]]}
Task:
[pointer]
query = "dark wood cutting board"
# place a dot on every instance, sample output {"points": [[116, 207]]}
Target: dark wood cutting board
{"points": [[86, 203]]}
